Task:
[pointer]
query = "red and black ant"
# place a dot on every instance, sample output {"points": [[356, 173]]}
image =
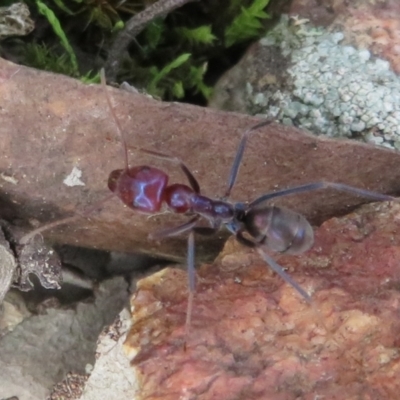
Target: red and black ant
{"points": [[145, 189], [255, 224]]}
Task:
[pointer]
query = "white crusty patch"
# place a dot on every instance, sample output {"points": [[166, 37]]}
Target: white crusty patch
{"points": [[73, 179]]}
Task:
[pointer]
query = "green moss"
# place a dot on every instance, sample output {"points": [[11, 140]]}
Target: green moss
{"points": [[247, 24], [169, 59]]}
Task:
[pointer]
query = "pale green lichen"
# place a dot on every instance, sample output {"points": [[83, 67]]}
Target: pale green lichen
{"points": [[337, 90]]}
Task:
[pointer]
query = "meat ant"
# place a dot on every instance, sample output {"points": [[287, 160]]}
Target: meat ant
{"points": [[145, 188], [255, 224]]}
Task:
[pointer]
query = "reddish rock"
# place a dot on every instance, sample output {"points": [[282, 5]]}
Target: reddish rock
{"points": [[52, 125], [253, 337]]}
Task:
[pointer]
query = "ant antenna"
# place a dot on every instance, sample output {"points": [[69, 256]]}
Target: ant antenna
{"points": [[116, 121], [27, 237], [239, 155], [50, 225]]}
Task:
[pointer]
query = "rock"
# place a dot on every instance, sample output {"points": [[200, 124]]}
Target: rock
{"points": [[70, 388], [42, 349], [15, 20], [67, 125], [323, 80], [39, 259], [13, 312], [7, 266], [369, 25], [251, 333], [112, 377]]}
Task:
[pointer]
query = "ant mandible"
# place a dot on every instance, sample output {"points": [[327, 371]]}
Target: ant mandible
{"points": [[145, 189]]}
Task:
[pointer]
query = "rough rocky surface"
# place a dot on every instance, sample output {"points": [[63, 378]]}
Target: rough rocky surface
{"points": [[43, 348], [112, 376], [15, 20], [253, 337], [308, 76], [13, 311], [368, 24], [69, 388], [67, 125], [8, 266]]}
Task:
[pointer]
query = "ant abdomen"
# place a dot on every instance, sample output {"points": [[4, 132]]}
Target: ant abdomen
{"points": [[140, 188], [281, 229]]}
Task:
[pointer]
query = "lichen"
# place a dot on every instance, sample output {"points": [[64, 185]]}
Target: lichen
{"points": [[337, 90]]}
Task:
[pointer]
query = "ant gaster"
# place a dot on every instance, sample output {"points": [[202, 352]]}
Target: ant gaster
{"points": [[257, 225]]}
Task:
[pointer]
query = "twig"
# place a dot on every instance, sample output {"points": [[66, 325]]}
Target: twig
{"points": [[132, 28]]}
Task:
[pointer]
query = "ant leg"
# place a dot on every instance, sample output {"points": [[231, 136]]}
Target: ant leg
{"points": [[176, 230], [321, 185], [192, 180], [50, 225], [191, 282], [26, 238], [273, 265], [208, 231], [188, 226], [286, 277], [114, 117], [239, 155]]}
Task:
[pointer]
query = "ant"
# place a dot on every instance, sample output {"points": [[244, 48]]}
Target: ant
{"points": [[145, 189], [255, 224]]}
